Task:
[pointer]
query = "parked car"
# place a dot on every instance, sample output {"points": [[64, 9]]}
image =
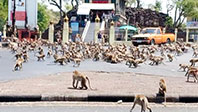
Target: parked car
{"points": [[152, 35]]}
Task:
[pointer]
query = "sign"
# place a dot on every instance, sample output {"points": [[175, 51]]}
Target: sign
{"points": [[75, 26], [100, 1], [192, 24]]}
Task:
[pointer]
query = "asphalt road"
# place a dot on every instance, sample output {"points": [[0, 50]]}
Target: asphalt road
{"points": [[33, 68], [79, 107]]}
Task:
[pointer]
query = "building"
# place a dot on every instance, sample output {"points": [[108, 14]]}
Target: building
{"points": [[119, 7], [192, 29]]}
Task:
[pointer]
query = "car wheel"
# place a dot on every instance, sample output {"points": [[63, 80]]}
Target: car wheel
{"points": [[168, 41], [152, 42]]}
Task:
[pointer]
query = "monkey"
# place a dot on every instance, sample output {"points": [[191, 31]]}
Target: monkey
{"points": [[96, 56], [143, 102], [131, 62], [195, 54], [61, 60], [156, 60], [190, 68], [79, 77], [49, 53], [76, 62], [25, 56], [162, 89], [18, 65], [184, 67], [170, 57], [41, 56], [194, 73], [18, 55], [193, 61]]}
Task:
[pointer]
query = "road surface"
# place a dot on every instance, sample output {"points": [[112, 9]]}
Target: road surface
{"points": [[90, 107]]}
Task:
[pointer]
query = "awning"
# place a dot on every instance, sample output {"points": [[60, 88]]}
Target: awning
{"points": [[85, 8]]}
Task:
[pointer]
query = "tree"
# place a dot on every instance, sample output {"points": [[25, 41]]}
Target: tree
{"points": [[169, 6], [43, 17], [59, 6], [157, 7], [138, 3], [183, 9], [3, 13]]}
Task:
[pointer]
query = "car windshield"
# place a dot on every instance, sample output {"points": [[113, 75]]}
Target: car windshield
{"points": [[150, 31]]}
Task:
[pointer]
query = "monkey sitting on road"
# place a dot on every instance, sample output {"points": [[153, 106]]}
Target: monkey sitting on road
{"points": [[170, 57], [79, 77], [49, 53], [18, 65], [162, 89], [41, 56], [76, 62], [143, 102]]}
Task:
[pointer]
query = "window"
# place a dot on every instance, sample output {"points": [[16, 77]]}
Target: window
{"points": [[86, 1], [113, 1], [194, 19], [158, 31]]}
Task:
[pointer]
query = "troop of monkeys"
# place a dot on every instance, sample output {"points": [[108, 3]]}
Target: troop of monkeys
{"points": [[133, 56]]}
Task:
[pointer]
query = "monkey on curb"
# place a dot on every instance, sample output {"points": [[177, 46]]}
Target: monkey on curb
{"points": [[143, 102], [162, 89]]}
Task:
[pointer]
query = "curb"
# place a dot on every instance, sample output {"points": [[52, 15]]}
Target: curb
{"points": [[95, 98], [17, 98]]}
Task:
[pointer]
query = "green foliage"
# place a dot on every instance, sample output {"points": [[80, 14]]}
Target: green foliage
{"points": [[185, 8], [157, 7], [169, 22], [43, 17], [68, 7], [3, 13]]}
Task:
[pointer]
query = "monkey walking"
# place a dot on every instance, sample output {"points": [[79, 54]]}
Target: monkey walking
{"points": [[79, 77], [193, 61], [194, 73], [143, 102], [162, 89], [183, 66]]}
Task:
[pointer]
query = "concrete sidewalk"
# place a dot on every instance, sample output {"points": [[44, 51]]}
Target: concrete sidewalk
{"points": [[110, 87]]}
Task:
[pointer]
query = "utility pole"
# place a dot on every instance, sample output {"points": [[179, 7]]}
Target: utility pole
{"points": [[13, 17]]}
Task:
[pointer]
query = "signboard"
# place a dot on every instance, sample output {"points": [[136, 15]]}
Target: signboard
{"points": [[100, 1], [75, 26], [192, 24], [75, 29]]}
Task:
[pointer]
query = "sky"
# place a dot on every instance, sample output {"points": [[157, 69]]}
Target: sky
{"points": [[145, 5]]}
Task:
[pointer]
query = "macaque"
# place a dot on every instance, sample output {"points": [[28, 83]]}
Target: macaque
{"points": [[162, 89], [79, 77], [143, 102], [18, 65]]}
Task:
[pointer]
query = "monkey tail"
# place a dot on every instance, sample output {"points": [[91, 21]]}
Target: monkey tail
{"points": [[164, 98], [89, 84]]}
